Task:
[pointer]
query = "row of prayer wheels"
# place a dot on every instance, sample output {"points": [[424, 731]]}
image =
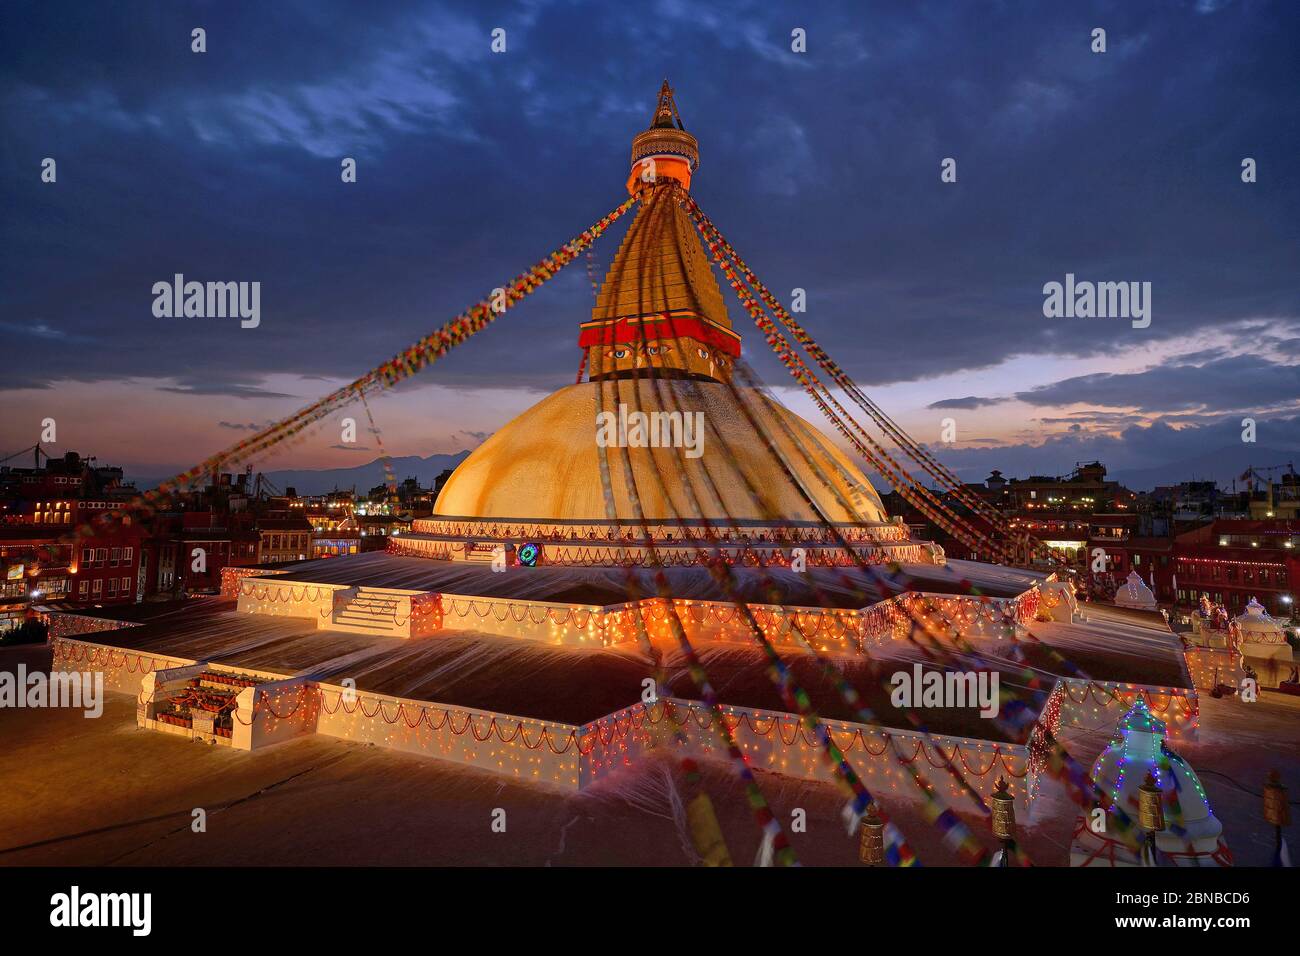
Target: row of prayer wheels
{"points": [[1151, 817]]}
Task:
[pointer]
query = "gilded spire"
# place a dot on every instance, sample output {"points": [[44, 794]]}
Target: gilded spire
{"points": [[665, 150], [666, 115]]}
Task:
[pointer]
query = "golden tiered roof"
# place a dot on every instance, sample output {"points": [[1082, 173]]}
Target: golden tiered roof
{"points": [[660, 267]]}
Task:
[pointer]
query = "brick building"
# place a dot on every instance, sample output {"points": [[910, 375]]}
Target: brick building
{"points": [[1233, 560]]}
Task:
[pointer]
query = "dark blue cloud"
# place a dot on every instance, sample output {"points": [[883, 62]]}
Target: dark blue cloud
{"points": [[822, 168], [1243, 382], [969, 402]]}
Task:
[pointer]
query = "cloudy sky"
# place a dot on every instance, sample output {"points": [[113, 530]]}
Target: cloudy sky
{"points": [[823, 168]]}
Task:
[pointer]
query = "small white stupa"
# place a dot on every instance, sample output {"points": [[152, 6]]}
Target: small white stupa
{"points": [[1059, 603], [1192, 835], [1262, 644], [1134, 593]]}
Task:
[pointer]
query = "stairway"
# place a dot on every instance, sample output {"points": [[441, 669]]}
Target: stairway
{"points": [[372, 612]]}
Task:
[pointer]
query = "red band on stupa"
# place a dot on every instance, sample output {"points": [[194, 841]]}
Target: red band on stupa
{"points": [[658, 328]]}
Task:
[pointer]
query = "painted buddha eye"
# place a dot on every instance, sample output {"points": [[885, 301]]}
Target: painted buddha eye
{"points": [[720, 359], [702, 353], [618, 353], [658, 349]]}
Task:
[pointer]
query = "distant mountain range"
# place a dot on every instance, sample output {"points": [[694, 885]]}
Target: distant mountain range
{"points": [[307, 481], [311, 481], [1221, 465]]}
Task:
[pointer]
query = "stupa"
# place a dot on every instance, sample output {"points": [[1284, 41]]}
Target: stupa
{"points": [[1191, 834], [1135, 594], [1262, 644]]}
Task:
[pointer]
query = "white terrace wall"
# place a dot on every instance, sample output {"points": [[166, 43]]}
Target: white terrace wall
{"points": [[577, 625], [274, 712], [270, 595], [122, 670], [828, 629], [232, 578], [66, 624], [519, 747], [1212, 666], [565, 755], [1092, 704], [589, 625], [778, 742], [616, 741]]}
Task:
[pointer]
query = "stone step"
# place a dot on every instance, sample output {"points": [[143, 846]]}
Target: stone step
{"points": [[372, 629], [365, 618], [370, 614]]}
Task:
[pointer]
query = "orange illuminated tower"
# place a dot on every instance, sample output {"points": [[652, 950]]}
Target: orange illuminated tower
{"points": [[665, 150], [660, 304]]}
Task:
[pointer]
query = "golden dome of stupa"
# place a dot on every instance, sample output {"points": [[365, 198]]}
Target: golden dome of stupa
{"points": [[546, 464], [660, 343]]}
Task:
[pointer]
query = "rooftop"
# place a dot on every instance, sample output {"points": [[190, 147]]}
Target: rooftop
{"points": [[847, 588], [525, 678], [576, 685]]}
